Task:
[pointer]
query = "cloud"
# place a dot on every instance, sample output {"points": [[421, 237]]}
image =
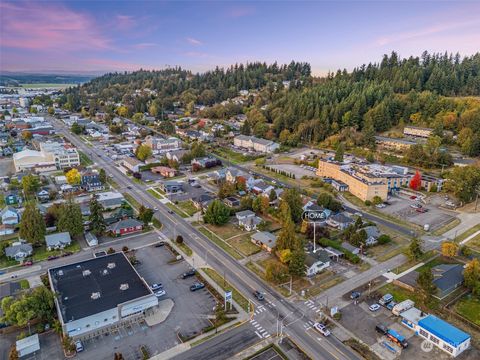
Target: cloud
{"points": [[194, 41], [145, 45], [44, 27], [196, 54], [240, 11]]}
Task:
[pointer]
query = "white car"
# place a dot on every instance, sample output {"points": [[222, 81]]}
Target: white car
{"points": [[359, 214], [322, 329], [160, 293], [374, 307], [156, 287]]}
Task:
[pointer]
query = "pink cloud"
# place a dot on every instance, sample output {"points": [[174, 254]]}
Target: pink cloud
{"points": [[48, 27], [194, 41]]}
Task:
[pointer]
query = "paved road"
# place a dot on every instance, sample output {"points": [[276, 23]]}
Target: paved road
{"points": [[245, 281]]}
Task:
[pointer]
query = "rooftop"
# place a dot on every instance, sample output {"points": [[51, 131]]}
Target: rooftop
{"points": [[443, 330], [76, 283]]}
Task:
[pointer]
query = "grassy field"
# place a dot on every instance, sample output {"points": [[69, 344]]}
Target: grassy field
{"points": [[178, 211], [184, 247], [187, 207], [84, 159], [475, 243], [437, 261], [24, 284], [244, 245], [233, 156], [449, 226], [469, 307], [467, 233], [154, 193], [131, 200], [231, 251], [225, 231], [225, 285]]}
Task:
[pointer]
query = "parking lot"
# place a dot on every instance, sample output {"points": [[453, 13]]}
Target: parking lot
{"points": [[188, 317], [189, 192], [400, 207]]}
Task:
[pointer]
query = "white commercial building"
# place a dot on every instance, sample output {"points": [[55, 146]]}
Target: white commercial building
{"points": [[256, 144]]}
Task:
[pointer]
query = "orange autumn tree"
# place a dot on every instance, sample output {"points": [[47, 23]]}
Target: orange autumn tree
{"points": [[416, 182]]}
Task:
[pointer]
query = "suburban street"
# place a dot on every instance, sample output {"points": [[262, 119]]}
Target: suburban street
{"points": [[240, 277]]}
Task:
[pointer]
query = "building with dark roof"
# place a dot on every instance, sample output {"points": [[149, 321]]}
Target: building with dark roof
{"points": [[97, 294]]}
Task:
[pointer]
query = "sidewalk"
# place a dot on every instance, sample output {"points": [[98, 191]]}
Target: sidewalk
{"points": [[392, 276], [469, 238]]}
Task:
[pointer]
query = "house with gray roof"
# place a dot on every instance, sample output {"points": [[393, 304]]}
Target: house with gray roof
{"points": [[248, 220], [266, 240], [349, 247], [340, 221], [372, 235], [9, 216], [58, 240], [18, 251], [317, 261]]}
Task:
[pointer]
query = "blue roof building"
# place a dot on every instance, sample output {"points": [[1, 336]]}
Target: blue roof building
{"points": [[443, 335]]}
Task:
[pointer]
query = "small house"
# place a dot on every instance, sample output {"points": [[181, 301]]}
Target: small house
{"points": [[340, 221], [43, 195], [13, 199], [171, 186], [349, 247], [248, 220], [316, 262], [125, 227], [266, 240], [19, 251], [232, 201], [9, 216], [90, 181], [58, 240], [372, 235], [202, 201], [164, 171]]}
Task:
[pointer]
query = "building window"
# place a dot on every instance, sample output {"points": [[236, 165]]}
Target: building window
{"points": [[424, 333], [105, 320], [434, 339], [448, 348]]}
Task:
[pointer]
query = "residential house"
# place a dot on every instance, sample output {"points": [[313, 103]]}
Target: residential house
{"points": [[248, 220], [372, 235], [231, 175], [171, 186], [316, 262], [110, 199], [132, 164], [124, 227], [393, 144], [58, 240], [9, 216], [202, 201], [349, 247], [13, 198], [340, 221], [165, 171], [6, 229], [232, 201], [324, 213], [176, 155], [90, 181], [262, 187], [266, 240], [19, 250], [205, 163], [43, 195]]}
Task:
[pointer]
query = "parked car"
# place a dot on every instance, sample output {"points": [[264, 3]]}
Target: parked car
{"points": [[28, 263], [160, 293], [259, 295], [385, 299], [156, 287], [188, 274], [155, 208], [416, 206], [382, 329], [421, 210], [322, 329], [52, 257], [391, 304], [170, 211], [160, 244], [359, 214], [355, 295], [67, 253], [78, 346], [413, 197], [197, 286], [374, 307], [380, 206]]}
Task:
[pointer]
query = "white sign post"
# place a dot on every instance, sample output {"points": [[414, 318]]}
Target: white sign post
{"points": [[228, 298]]}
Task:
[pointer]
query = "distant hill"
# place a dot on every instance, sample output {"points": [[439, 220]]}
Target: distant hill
{"points": [[19, 79]]}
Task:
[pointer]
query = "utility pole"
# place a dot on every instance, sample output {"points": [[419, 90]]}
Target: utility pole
{"points": [[291, 284]]}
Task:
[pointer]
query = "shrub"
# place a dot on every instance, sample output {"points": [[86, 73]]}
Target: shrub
{"points": [[125, 248], [384, 239], [111, 251], [179, 239], [368, 203]]}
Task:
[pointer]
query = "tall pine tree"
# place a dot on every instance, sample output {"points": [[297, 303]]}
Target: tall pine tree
{"points": [[71, 218], [97, 222], [32, 226]]}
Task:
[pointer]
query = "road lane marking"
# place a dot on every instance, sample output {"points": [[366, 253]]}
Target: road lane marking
{"points": [[260, 336]]}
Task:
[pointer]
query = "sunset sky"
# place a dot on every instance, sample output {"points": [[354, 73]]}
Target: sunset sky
{"points": [[99, 36]]}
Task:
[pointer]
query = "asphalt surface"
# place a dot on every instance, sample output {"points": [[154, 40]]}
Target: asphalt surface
{"points": [[240, 277]]}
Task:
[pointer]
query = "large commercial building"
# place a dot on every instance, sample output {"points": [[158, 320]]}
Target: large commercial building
{"points": [[32, 160], [99, 294], [159, 145], [363, 184], [417, 131], [393, 144], [64, 155], [256, 144]]}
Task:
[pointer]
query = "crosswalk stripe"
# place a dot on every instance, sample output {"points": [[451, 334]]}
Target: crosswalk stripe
{"points": [[266, 337], [260, 336], [257, 326], [318, 311]]}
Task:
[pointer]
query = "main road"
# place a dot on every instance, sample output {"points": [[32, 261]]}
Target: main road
{"points": [[284, 312]]}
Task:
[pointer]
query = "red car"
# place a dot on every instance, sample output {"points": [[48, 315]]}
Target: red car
{"points": [[421, 210], [28, 263], [413, 197]]}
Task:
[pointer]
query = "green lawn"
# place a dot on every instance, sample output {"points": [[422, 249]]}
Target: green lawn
{"points": [[425, 257], [233, 156], [176, 210], [437, 261], [41, 253], [160, 191], [244, 245], [450, 225], [185, 249], [469, 307], [135, 204], [467, 233], [225, 231], [225, 285], [84, 159], [24, 284], [187, 207], [231, 251], [155, 194]]}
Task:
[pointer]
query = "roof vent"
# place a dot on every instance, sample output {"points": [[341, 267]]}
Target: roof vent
{"points": [[95, 295], [60, 272], [111, 265], [86, 272], [104, 272], [123, 286]]}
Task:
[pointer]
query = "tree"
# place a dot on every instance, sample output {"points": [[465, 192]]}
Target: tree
{"points": [[377, 200], [272, 196], [287, 239], [103, 176], [71, 219], [226, 189], [97, 222], [296, 266], [217, 213], [26, 135], [143, 152], [145, 214], [339, 152], [463, 182], [118, 356], [32, 224], [471, 276], [383, 239], [284, 256], [179, 239], [246, 202], [30, 184], [415, 249], [77, 129], [73, 177], [426, 285], [276, 273], [123, 111], [13, 354], [449, 249], [416, 181], [137, 117], [293, 199], [51, 110]]}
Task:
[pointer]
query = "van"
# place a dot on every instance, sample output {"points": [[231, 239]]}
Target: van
{"points": [[382, 329], [385, 299]]}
